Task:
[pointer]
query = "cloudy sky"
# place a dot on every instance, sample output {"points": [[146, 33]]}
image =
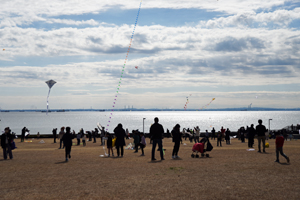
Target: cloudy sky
{"points": [[237, 51]]}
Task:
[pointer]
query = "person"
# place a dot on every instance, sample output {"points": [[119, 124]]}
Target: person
{"points": [[176, 140], [94, 133], [6, 140], [78, 138], [23, 134], [219, 138], [38, 135], [279, 145], [136, 140], [67, 140], [101, 136], [60, 135], [213, 133], [227, 136], [197, 134], [251, 134], [127, 134], [223, 132], [120, 141], [261, 136], [206, 134], [54, 132], [83, 139], [156, 134], [242, 131], [109, 144], [143, 143]]}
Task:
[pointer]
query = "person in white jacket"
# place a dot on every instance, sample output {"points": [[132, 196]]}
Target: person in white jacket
{"points": [[197, 134]]}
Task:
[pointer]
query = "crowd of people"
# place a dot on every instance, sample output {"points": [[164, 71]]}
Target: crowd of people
{"points": [[156, 134]]}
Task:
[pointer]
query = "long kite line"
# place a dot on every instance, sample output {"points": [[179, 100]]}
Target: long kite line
{"points": [[118, 88], [203, 107]]}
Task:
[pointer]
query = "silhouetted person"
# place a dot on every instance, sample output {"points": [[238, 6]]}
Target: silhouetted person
{"points": [[120, 141], [227, 136], [67, 140], [23, 134], [251, 134], [176, 139], [213, 133], [279, 145], [54, 132], [261, 135], [156, 134], [6, 140], [219, 138], [60, 135]]}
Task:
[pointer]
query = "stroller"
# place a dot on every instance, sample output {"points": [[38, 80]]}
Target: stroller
{"points": [[200, 147]]}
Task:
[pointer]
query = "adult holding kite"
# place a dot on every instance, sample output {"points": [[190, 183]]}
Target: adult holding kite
{"points": [[50, 84]]}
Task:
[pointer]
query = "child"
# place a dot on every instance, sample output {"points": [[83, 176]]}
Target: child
{"points": [[83, 139], [279, 144], [136, 140], [143, 143], [109, 144], [219, 139]]}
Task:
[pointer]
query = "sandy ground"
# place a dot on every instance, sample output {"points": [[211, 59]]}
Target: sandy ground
{"points": [[38, 171]]}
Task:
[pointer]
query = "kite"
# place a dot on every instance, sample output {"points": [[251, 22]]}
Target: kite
{"points": [[187, 101], [50, 84], [203, 107], [114, 102], [3, 49]]}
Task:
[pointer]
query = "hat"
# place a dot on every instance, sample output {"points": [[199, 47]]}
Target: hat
{"points": [[7, 128]]}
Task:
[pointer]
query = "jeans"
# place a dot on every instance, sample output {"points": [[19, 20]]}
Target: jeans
{"points": [[159, 142], [118, 150], [263, 139], [7, 150], [196, 139], [142, 148], [279, 149], [176, 148], [61, 142]]}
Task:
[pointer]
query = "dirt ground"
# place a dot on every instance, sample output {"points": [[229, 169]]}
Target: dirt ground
{"points": [[38, 171]]}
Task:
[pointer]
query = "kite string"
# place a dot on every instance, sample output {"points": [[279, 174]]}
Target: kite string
{"points": [[48, 100], [119, 85]]}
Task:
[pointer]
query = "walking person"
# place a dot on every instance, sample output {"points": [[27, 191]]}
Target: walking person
{"points": [[54, 132], [219, 138], [251, 134], [6, 140], [143, 143], [67, 140], [213, 133], [227, 136], [197, 134], [78, 138], [176, 140], [60, 135], [120, 141], [279, 147], [156, 134], [261, 135]]}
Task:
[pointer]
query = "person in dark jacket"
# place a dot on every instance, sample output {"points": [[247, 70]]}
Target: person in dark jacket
{"points": [[67, 139], [176, 139], [261, 135], [54, 131], [120, 141], [6, 140], [251, 134], [136, 140], [156, 134], [219, 139], [23, 134], [227, 136]]}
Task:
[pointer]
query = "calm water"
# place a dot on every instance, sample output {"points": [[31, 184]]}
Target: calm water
{"points": [[40, 122]]}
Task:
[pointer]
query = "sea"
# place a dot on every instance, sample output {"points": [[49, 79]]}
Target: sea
{"points": [[142, 120]]}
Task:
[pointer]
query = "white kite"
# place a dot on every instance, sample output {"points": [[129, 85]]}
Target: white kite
{"points": [[50, 84]]}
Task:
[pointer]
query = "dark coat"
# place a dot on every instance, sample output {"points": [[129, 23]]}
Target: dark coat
{"points": [[67, 139], [3, 139], [251, 132], [176, 135], [156, 131], [261, 130], [120, 134]]}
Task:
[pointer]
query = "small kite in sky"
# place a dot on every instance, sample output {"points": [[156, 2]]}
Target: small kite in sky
{"points": [[208, 103], [3, 49], [50, 84], [136, 67]]}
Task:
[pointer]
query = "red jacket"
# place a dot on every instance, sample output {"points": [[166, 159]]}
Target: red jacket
{"points": [[279, 141]]}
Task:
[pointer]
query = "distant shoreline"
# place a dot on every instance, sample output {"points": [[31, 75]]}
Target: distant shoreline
{"points": [[151, 109]]}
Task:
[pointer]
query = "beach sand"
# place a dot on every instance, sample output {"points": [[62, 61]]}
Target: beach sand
{"points": [[39, 171]]}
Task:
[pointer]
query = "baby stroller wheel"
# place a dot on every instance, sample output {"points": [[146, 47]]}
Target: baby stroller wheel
{"points": [[202, 154], [207, 155], [197, 156], [193, 156]]}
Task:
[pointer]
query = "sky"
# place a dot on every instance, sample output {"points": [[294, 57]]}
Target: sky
{"points": [[236, 51]]}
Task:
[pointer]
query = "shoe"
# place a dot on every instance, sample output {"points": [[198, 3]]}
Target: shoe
{"points": [[177, 156], [66, 159], [142, 154], [264, 151], [288, 160], [113, 155], [135, 152], [153, 159], [259, 151], [173, 157], [69, 156], [108, 155], [121, 156], [162, 159], [276, 161]]}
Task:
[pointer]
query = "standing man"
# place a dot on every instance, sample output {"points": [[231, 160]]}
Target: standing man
{"points": [[213, 133], [197, 134], [54, 131], [261, 135], [6, 139], [156, 134], [176, 139], [23, 134], [60, 135], [251, 134], [67, 139]]}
